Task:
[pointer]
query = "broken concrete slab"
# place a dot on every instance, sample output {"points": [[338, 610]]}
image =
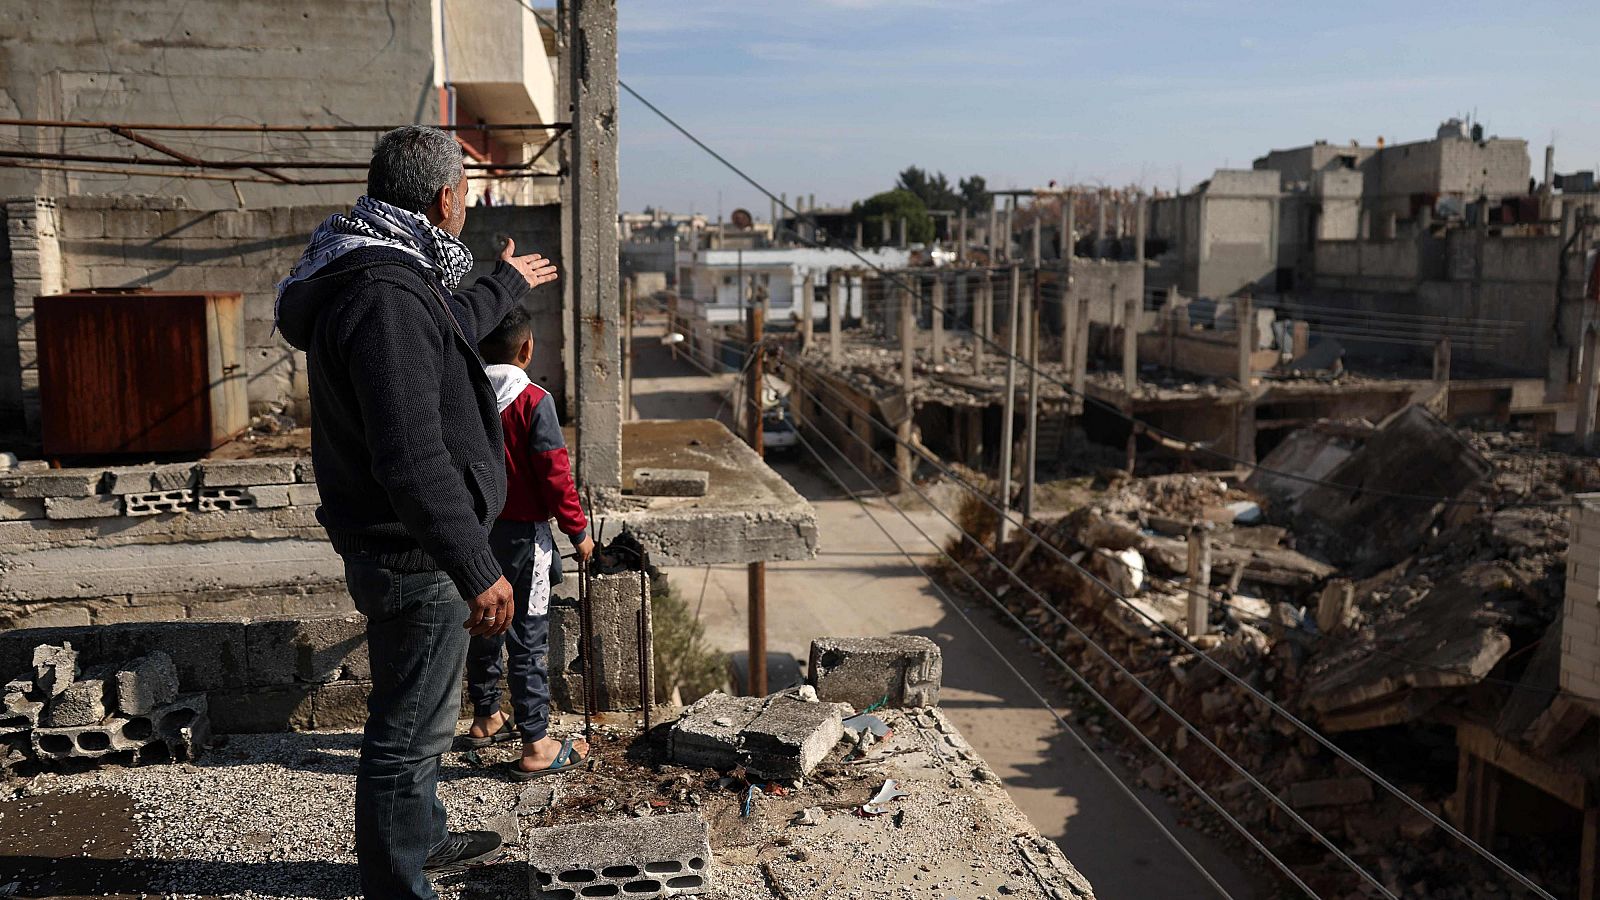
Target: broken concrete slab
{"points": [[615, 603], [54, 668], [82, 703], [97, 507], [790, 737], [143, 684], [654, 856], [707, 734], [53, 483], [20, 717], [671, 482], [897, 670], [1362, 512]]}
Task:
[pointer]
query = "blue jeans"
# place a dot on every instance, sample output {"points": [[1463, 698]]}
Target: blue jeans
{"points": [[418, 646], [525, 550]]}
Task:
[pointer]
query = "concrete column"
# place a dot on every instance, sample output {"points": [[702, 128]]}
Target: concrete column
{"points": [[936, 317], [836, 285], [1008, 417], [1199, 579], [1034, 248], [1138, 231], [1031, 463], [1080, 356], [36, 269], [1069, 214], [1245, 317], [1007, 230], [629, 286], [1588, 386], [808, 293], [1099, 224], [592, 267], [983, 320], [904, 234], [861, 240], [908, 355], [961, 238], [888, 238], [1130, 347], [1069, 328], [1245, 416]]}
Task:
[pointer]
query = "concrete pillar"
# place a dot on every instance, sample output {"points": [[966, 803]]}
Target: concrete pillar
{"points": [[836, 285], [904, 234], [1009, 228], [1034, 248], [1069, 328], [936, 317], [1069, 224], [861, 240], [1080, 356], [1130, 347], [983, 320], [1245, 317], [808, 293], [1008, 417], [908, 355], [1199, 607], [961, 238], [1099, 224], [887, 237], [36, 269], [592, 267], [616, 602], [991, 237], [1031, 462], [1588, 386], [1363, 228], [1138, 231], [1391, 224], [629, 285]]}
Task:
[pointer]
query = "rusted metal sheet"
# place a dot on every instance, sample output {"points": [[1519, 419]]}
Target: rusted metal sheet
{"points": [[149, 372]]}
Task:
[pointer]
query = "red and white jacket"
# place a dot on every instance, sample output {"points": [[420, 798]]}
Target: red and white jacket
{"points": [[539, 484]]}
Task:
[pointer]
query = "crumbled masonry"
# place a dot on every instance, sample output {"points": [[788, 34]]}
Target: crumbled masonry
{"points": [[657, 856], [899, 670]]}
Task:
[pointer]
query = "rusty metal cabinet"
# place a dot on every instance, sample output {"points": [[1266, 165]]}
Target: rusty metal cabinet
{"points": [[140, 372]]}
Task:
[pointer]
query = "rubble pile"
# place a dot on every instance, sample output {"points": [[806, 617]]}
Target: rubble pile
{"points": [[1408, 619], [128, 713]]}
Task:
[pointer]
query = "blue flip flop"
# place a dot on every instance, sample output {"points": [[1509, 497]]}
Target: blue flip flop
{"points": [[566, 759]]}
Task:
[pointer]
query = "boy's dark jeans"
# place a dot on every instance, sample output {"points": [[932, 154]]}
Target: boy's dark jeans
{"points": [[526, 643], [418, 645]]}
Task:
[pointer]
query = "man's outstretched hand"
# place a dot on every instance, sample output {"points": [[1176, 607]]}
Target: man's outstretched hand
{"points": [[535, 268], [491, 610]]}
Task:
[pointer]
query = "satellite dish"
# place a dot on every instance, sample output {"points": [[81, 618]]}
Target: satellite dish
{"points": [[741, 219]]}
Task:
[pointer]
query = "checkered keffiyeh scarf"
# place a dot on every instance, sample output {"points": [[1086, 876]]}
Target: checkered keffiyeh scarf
{"points": [[374, 223]]}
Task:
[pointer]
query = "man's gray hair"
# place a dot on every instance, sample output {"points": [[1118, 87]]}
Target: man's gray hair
{"points": [[411, 164]]}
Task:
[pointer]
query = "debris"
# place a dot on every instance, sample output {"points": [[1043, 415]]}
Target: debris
{"points": [[654, 856], [749, 804], [811, 815], [1125, 570], [900, 670], [875, 807]]}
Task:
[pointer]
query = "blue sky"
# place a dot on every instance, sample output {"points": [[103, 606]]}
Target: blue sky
{"points": [[834, 97]]}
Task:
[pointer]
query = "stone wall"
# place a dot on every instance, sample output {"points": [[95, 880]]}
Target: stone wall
{"points": [[161, 542], [263, 674]]}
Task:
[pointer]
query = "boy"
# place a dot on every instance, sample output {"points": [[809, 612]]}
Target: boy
{"points": [[539, 487]]}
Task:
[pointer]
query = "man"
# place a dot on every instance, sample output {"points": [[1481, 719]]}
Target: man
{"points": [[409, 459]]}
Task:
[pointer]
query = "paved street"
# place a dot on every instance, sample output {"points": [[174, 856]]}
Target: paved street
{"points": [[859, 584]]}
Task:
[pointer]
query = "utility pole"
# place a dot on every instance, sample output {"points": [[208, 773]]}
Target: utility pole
{"points": [[808, 292], [1007, 421], [1031, 465], [836, 283], [757, 586], [908, 355], [936, 317]]}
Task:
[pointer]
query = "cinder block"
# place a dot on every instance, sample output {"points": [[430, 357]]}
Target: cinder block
{"points": [[158, 502], [55, 668], [224, 499], [270, 496], [174, 477], [145, 683], [209, 654], [82, 703], [97, 507], [20, 717], [342, 704], [14, 509], [130, 480], [181, 727], [304, 495], [897, 670], [237, 472], [671, 482], [790, 737], [262, 710], [304, 471], [88, 741], [55, 483], [655, 856], [706, 735], [320, 650]]}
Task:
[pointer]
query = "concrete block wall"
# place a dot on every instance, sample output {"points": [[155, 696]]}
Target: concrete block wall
{"points": [[259, 675], [170, 541], [1580, 622]]}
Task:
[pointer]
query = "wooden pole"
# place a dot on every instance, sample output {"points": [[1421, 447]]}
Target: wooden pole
{"points": [[1008, 418], [1199, 578], [908, 355], [757, 581]]}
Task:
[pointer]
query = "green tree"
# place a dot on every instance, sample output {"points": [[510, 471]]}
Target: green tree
{"points": [[975, 196], [934, 190], [892, 206]]}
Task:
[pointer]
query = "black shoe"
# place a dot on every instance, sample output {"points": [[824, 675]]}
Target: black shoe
{"points": [[463, 850]]}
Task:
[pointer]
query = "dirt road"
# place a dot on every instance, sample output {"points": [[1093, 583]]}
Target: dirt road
{"points": [[859, 584]]}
